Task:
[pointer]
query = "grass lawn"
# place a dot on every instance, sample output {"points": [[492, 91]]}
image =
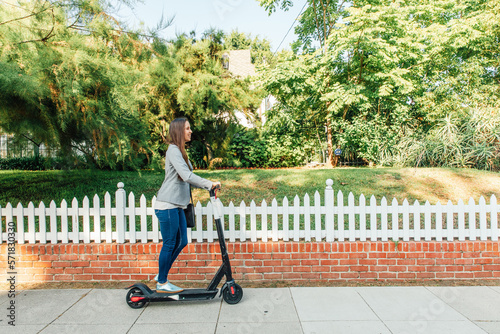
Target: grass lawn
{"points": [[432, 184]]}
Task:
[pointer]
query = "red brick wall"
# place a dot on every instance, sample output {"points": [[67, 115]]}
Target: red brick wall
{"points": [[271, 261]]}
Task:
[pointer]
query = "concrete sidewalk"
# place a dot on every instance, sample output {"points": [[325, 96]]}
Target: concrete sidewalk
{"points": [[329, 310]]}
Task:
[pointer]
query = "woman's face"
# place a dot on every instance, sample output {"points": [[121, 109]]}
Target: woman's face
{"points": [[187, 132]]}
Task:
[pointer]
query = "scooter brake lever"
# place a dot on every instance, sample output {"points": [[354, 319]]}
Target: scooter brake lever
{"points": [[213, 191]]}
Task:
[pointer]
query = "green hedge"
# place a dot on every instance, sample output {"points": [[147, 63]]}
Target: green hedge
{"points": [[31, 163]]}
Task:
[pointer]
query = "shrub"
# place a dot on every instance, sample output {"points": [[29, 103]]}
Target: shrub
{"points": [[197, 153], [25, 163], [40, 163], [248, 148], [470, 140]]}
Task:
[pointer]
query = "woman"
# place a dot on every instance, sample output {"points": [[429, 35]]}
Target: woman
{"points": [[172, 198]]}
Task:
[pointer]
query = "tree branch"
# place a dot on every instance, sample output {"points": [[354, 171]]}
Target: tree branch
{"points": [[317, 24], [31, 140], [338, 13], [27, 16], [47, 37], [325, 35], [73, 24]]}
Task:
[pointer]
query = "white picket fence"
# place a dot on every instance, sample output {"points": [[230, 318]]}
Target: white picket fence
{"points": [[331, 221]]}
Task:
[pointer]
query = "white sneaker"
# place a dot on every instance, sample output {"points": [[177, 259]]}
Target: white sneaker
{"points": [[174, 287], [168, 288], [156, 277]]}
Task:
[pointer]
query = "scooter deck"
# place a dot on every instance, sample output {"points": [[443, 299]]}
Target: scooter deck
{"points": [[188, 294]]}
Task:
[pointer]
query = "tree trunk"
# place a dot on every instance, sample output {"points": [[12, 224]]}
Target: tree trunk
{"points": [[210, 155], [331, 159]]}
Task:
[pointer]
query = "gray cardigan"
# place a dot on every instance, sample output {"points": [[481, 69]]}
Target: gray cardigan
{"points": [[176, 191]]}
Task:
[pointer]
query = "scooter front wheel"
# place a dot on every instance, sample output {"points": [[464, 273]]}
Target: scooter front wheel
{"points": [[233, 294], [135, 298]]}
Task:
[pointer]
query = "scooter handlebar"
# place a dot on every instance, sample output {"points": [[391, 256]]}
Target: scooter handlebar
{"points": [[213, 191]]}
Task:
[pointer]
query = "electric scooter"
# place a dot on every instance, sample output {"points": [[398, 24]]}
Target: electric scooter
{"points": [[140, 294]]}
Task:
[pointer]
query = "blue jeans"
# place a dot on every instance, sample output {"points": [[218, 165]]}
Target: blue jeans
{"points": [[174, 233]]}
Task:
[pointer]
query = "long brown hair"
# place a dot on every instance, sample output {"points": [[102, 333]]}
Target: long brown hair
{"points": [[176, 136]]}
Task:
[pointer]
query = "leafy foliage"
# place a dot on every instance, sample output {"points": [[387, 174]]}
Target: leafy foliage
{"points": [[71, 76], [471, 141], [249, 149], [79, 93], [404, 82], [316, 22], [260, 49], [281, 142], [31, 163], [390, 71]]}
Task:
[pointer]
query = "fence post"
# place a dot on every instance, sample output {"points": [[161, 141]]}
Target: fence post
{"points": [[120, 197], [329, 205]]}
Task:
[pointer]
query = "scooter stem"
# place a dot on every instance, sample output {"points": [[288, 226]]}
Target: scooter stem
{"points": [[215, 203]]}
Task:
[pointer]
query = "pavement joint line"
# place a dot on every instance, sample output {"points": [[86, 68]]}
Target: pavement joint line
{"points": [[370, 307], [463, 315], [218, 317], [491, 288], [296, 312], [60, 315], [142, 311]]}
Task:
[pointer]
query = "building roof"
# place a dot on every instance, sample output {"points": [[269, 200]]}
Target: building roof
{"points": [[240, 63]]}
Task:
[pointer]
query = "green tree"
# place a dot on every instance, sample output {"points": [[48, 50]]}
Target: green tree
{"points": [[260, 49], [72, 76], [78, 83], [390, 68], [188, 80], [315, 23]]}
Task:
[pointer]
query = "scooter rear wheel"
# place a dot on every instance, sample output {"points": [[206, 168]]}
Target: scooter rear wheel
{"points": [[135, 298], [232, 297]]}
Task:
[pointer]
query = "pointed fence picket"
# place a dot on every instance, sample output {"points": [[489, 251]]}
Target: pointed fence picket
{"points": [[86, 220], [439, 224], [296, 218], [264, 221], [20, 223], [274, 219], [494, 218], [362, 218], [472, 219], [96, 213], [131, 213], [107, 217], [317, 216], [253, 221], [383, 217], [307, 218], [243, 223], [53, 222], [232, 224], [31, 223], [373, 218], [156, 231], [352, 221], [330, 216], [333, 220]]}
